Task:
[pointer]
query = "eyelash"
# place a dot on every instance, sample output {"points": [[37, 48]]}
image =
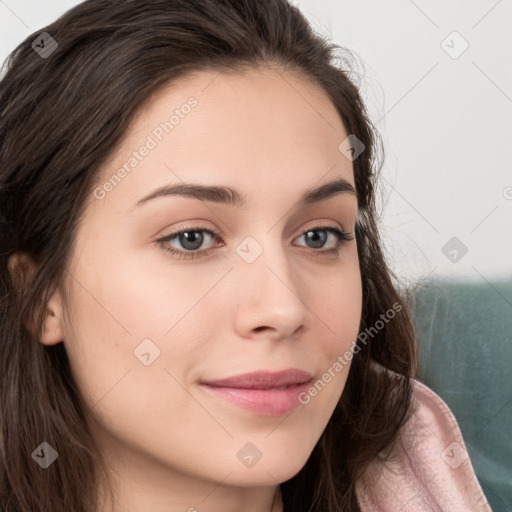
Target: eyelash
{"points": [[342, 238]]}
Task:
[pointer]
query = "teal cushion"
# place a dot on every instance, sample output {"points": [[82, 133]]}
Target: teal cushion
{"points": [[464, 335]]}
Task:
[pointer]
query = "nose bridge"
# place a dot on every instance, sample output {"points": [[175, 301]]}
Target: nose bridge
{"points": [[266, 257], [270, 293]]}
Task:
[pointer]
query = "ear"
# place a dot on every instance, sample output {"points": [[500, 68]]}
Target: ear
{"points": [[22, 268], [53, 332]]}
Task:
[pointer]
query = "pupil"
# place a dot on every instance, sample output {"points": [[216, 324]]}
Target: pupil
{"points": [[188, 238], [319, 241]]}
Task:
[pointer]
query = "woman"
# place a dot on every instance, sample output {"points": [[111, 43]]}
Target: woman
{"points": [[196, 313]]}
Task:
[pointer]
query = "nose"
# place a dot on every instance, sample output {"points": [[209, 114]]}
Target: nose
{"points": [[269, 301]]}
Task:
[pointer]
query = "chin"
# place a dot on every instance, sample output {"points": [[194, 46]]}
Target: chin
{"points": [[273, 472]]}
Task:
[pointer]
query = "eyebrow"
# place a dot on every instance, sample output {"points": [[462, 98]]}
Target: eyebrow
{"points": [[233, 198]]}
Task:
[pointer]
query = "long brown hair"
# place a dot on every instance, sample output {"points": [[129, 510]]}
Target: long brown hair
{"points": [[61, 116]]}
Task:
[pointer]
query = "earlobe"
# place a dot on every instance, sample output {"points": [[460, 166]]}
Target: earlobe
{"points": [[52, 332]]}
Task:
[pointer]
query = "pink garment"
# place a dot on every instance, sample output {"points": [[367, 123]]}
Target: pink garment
{"points": [[429, 470]]}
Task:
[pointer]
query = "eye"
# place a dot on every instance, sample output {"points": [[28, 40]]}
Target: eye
{"points": [[192, 238], [318, 241]]}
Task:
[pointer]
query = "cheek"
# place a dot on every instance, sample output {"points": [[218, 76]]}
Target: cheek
{"points": [[338, 308], [131, 309], [154, 297]]}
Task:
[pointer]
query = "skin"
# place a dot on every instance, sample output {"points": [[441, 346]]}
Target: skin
{"points": [[168, 444]]}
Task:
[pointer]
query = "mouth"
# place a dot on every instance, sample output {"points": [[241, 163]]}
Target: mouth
{"points": [[264, 393]]}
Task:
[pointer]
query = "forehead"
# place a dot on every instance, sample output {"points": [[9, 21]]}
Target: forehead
{"points": [[263, 127]]}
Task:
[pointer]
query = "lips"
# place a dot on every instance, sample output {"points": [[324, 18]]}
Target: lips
{"points": [[264, 380], [264, 393]]}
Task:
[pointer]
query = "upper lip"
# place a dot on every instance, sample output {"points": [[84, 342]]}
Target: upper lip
{"points": [[264, 379]]}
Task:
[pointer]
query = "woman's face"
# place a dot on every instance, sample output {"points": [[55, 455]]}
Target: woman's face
{"points": [[147, 328]]}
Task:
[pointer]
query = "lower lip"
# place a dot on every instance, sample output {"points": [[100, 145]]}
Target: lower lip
{"points": [[266, 402]]}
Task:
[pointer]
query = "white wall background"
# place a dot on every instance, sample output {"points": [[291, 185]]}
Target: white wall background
{"points": [[446, 120]]}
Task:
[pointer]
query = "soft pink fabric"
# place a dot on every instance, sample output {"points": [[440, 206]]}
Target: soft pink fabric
{"points": [[429, 469]]}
